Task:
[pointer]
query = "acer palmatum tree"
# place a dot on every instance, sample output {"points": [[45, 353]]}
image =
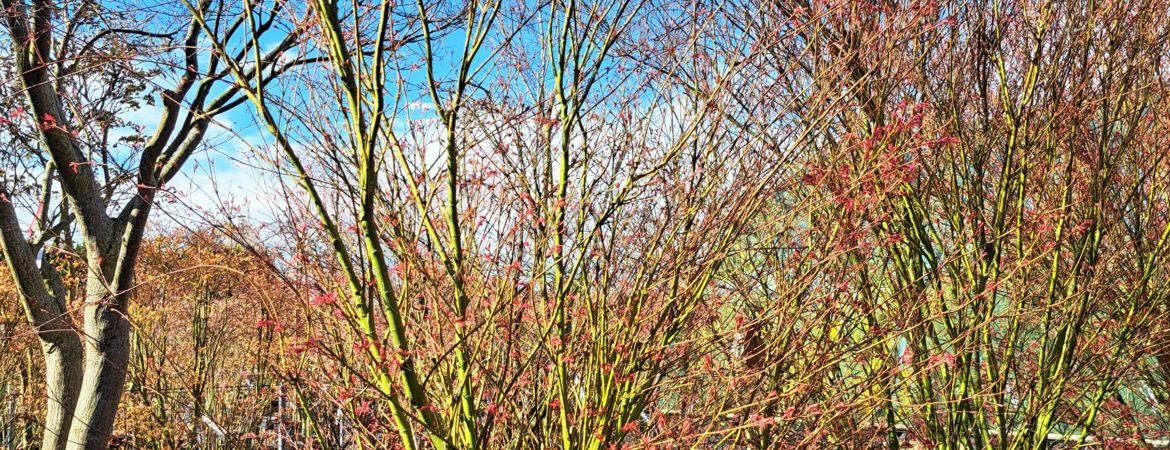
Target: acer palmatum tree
{"points": [[523, 209], [1001, 171], [758, 224]]}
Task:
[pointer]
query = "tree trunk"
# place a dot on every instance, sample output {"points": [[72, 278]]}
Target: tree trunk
{"points": [[62, 351], [107, 353], [43, 297]]}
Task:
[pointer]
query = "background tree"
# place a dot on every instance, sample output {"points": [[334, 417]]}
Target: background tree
{"points": [[78, 68]]}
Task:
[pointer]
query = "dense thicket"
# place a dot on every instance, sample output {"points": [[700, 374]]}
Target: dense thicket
{"points": [[600, 224]]}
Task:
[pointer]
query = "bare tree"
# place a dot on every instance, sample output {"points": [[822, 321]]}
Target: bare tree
{"points": [[107, 187]]}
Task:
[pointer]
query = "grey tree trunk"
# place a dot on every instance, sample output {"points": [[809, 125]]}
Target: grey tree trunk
{"points": [[107, 353], [43, 298], [62, 352]]}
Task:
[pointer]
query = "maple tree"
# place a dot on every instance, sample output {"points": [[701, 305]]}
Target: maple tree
{"points": [[645, 224]]}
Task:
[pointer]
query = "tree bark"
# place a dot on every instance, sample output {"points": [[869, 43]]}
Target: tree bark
{"points": [[62, 352], [43, 298], [107, 352]]}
